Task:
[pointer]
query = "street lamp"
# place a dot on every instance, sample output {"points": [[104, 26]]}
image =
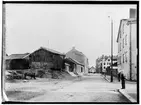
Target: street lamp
{"points": [[111, 48]]}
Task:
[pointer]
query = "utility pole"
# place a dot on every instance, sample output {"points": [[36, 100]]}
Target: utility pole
{"points": [[111, 70], [111, 50]]}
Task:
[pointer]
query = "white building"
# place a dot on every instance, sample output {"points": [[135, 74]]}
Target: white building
{"points": [[92, 70], [106, 62], [127, 48]]}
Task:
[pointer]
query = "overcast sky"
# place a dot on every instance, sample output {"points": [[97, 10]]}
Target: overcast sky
{"points": [[60, 27]]}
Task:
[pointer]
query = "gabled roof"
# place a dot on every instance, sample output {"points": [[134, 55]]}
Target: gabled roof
{"points": [[16, 56], [74, 61], [51, 50], [91, 67], [129, 21], [76, 55], [47, 49]]}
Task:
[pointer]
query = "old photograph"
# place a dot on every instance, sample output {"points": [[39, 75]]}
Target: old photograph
{"points": [[70, 53]]}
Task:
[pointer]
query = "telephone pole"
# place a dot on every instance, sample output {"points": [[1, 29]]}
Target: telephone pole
{"points": [[111, 50], [111, 70]]}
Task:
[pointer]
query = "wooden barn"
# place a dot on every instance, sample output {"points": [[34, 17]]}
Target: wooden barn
{"points": [[44, 58], [17, 61]]}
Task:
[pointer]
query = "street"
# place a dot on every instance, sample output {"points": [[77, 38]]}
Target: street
{"points": [[87, 89]]}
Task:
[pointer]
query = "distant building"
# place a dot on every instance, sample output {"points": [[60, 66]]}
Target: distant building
{"points": [[133, 13], [127, 47], [114, 66], [103, 62], [92, 70], [81, 67], [99, 64]]}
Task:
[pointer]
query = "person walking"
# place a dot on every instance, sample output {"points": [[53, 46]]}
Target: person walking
{"points": [[122, 80]]}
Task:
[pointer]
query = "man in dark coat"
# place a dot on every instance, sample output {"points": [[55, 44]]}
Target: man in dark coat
{"points": [[122, 80], [119, 76]]}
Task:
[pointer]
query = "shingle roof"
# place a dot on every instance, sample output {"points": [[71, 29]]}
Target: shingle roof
{"points": [[17, 56]]}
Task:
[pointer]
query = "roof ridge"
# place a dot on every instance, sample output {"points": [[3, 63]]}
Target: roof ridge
{"points": [[51, 50]]}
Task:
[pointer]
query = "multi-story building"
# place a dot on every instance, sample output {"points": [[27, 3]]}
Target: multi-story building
{"points": [[99, 64], [127, 48], [103, 62]]}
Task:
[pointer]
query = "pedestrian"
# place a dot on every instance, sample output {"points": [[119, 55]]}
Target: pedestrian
{"points": [[122, 80], [119, 76]]}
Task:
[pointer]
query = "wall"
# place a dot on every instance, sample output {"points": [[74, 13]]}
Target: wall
{"points": [[124, 58], [43, 58], [124, 49], [80, 57], [78, 69], [134, 51]]}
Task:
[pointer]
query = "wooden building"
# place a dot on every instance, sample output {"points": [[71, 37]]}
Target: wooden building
{"points": [[17, 61], [44, 58]]}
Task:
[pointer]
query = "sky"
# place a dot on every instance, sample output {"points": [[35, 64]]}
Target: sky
{"points": [[61, 27]]}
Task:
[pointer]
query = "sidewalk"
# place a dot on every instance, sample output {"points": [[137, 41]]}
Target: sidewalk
{"points": [[130, 91]]}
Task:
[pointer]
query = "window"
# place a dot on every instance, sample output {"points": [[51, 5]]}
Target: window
{"points": [[123, 28], [81, 69], [104, 63], [123, 43], [123, 58], [120, 46], [126, 39], [120, 34], [118, 49], [126, 57], [119, 59]]}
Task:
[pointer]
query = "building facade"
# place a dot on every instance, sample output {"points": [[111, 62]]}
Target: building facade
{"points": [[44, 58], [103, 62], [92, 70], [127, 48], [80, 58]]}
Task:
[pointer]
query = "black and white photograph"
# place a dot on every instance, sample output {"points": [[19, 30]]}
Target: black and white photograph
{"points": [[70, 52]]}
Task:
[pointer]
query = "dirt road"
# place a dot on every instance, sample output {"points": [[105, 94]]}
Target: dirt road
{"points": [[87, 89]]}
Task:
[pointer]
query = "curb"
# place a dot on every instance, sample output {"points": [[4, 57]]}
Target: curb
{"points": [[106, 78], [121, 91]]}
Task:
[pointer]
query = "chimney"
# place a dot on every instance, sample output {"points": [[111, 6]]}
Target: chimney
{"points": [[133, 13]]}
